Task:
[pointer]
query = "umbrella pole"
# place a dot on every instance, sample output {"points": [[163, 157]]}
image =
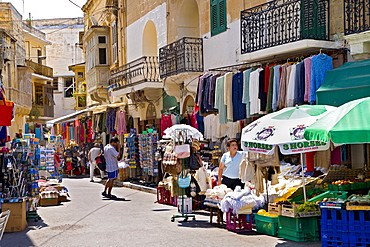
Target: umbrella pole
{"points": [[303, 178]]}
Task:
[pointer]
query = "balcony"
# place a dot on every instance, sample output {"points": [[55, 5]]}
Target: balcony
{"points": [[144, 69], [283, 21], [42, 111], [183, 55], [357, 16], [40, 69], [34, 31], [20, 98]]}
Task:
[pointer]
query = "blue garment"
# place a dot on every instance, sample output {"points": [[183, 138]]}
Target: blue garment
{"points": [[111, 121], [232, 164], [300, 84], [246, 98], [239, 110], [200, 120], [275, 94], [320, 65]]}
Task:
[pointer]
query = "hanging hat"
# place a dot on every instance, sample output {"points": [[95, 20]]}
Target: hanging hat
{"points": [[195, 144]]}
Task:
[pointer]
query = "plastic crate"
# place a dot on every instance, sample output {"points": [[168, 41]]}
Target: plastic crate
{"points": [[359, 239], [188, 203], [174, 201], [299, 229], [344, 187], [163, 195], [266, 225], [330, 194], [300, 198], [238, 222], [334, 238], [359, 221], [332, 220]]}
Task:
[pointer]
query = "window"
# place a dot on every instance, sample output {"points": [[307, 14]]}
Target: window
{"points": [[114, 41], [39, 99], [218, 16], [102, 56], [101, 40], [68, 87], [55, 83], [80, 74]]}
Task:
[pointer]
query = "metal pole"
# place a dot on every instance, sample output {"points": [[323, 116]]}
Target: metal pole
{"points": [[303, 178]]}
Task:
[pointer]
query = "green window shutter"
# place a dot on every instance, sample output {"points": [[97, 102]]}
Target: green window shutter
{"points": [[218, 16]]}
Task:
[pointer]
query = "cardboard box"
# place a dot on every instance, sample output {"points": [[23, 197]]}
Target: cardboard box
{"points": [[48, 201], [63, 197], [18, 211]]}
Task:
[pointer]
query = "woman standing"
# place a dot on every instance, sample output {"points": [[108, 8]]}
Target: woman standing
{"points": [[229, 166]]}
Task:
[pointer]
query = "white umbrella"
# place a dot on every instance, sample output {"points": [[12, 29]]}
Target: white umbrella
{"points": [[187, 130], [285, 128]]}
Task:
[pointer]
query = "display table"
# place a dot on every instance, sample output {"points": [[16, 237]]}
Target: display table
{"points": [[220, 217]]}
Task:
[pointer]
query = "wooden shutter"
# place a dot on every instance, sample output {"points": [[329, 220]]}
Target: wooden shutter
{"points": [[218, 16]]}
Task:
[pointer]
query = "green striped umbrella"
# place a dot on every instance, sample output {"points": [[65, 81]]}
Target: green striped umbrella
{"points": [[348, 124]]}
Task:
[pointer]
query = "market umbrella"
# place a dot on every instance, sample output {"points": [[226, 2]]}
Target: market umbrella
{"points": [[348, 124], [285, 128], [187, 130]]}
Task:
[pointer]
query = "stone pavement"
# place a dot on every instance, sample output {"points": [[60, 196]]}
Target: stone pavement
{"points": [[90, 220]]}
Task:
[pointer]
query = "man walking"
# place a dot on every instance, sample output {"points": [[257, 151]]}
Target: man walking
{"points": [[93, 153], [111, 155]]}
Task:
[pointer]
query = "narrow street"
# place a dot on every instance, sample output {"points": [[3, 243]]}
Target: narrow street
{"points": [[90, 220]]}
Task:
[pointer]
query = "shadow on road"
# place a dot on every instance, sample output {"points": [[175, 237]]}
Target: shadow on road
{"points": [[160, 210], [195, 223], [116, 199], [289, 243]]}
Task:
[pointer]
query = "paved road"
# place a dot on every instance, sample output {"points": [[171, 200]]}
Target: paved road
{"points": [[90, 220]]}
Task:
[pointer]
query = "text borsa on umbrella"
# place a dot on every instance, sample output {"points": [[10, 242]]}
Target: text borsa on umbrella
{"points": [[306, 144]]}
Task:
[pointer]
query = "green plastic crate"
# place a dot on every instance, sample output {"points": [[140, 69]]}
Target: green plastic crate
{"points": [[300, 198], [298, 237], [330, 194], [307, 227], [344, 187], [266, 225]]}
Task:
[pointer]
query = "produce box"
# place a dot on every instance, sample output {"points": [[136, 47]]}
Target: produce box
{"points": [[329, 194], [299, 229], [309, 194], [48, 201], [356, 207], [274, 208], [266, 225], [18, 216], [291, 211]]}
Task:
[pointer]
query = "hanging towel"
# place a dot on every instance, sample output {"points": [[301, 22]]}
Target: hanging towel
{"points": [[246, 99]]}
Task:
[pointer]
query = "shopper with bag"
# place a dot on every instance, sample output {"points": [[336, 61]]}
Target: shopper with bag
{"points": [[93, 153], [111, 155], [229, 167]]}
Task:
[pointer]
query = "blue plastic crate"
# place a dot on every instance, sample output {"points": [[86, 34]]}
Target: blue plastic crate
{"points": [[359, 221], [357, 239], [332, 219], [332, 238]]}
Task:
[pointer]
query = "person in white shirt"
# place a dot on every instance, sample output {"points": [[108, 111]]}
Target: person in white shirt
{"points": [[228, 171], [111, 155], [93, 153]]}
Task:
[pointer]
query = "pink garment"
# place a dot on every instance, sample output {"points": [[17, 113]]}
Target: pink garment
{"points": [[193, 120], [166, 122], [120, 125], [307, 77], [335, 156]]}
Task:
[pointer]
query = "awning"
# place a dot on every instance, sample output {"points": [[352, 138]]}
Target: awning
{"points": [[349, 82], [103, 108], [68, 117]]}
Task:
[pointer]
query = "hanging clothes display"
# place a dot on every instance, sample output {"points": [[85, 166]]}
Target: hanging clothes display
{"points": [[320, 65], [239, 111], [120, 124], [246, 98], [253, 91], [220, 100]]}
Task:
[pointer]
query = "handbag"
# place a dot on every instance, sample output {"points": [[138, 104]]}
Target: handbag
{"points": [[6, 109], [171, 164], [194, 162], [184, 182], [183, 150]]}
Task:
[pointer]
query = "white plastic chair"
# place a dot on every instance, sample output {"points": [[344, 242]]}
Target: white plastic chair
{"points": [[4, 216]]}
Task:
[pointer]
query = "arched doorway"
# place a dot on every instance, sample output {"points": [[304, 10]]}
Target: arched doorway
{"points": [[188, 24], [188, 105], [150, 46]]}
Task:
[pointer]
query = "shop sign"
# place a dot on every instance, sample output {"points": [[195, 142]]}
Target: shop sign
{"points": [[258, 147], [302, 147]]}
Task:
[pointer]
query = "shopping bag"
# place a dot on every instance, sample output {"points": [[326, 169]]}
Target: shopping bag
{"points": [[184, 182], [182, 151], [6, 109]]}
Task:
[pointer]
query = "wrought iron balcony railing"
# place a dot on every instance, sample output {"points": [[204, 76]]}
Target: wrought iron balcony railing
{"points": [[283, 21], [183, 55], [40, 69], [144, 69], [357, 16]]}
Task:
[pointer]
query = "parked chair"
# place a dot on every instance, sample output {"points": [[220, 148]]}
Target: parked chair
{"points": [[4, 216]]}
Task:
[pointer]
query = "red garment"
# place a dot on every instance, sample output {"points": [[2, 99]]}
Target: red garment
{"points": [[267, 78], [166, 122], [335, 156], [310, 161], [193, 121]]}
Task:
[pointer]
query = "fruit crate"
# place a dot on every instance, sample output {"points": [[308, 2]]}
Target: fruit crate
{"points": [[238, 222], [266, 225], [291, 211], [334, 220], [334, 238], [300, 198], [274, 208], [330, 194], [356, 207], [299, 229], [359, 239], [359, 221], [163, 195]]}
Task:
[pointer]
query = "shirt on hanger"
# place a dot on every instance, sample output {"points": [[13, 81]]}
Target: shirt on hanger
{"points": [[219, 99]]}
